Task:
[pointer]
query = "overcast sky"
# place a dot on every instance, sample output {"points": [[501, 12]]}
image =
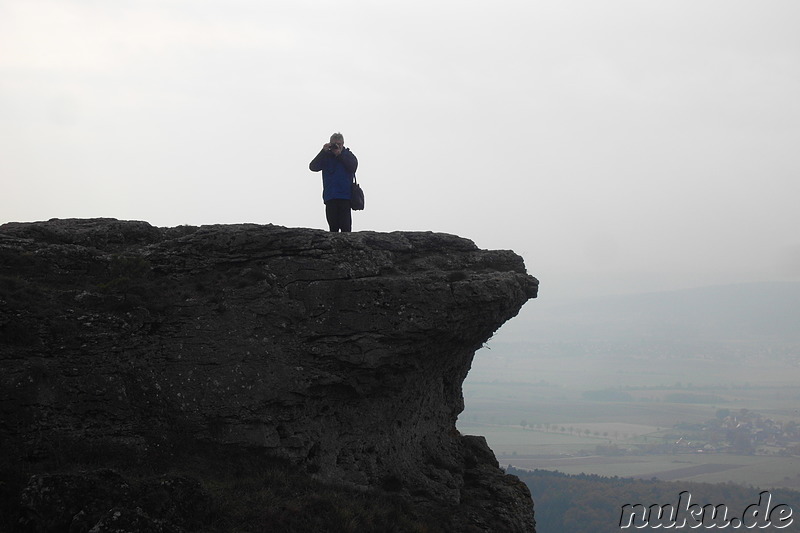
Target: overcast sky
{"points": [[616, 145]]}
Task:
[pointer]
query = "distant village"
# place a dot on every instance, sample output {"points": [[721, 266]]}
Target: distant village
{"points": [[740, 431]]}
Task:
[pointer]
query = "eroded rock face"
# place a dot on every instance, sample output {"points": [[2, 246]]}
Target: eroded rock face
{"points": [[104, 501], [344, 353]]}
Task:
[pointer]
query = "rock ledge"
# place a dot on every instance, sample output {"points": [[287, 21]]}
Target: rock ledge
{"points": [[341, 353]]}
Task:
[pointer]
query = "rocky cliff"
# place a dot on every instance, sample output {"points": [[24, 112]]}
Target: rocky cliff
{"points": [[343, 354]]}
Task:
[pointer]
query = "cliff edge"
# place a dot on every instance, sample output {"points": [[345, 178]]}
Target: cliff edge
{"points": [[341, 354]]}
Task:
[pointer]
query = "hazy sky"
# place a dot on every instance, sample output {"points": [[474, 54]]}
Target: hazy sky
{"points": [[614, 144]]}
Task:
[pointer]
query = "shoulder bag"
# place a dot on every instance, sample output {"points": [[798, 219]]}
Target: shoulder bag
{"points": [[356, 196]]}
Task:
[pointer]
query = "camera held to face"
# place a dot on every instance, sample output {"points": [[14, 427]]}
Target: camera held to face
{"points": [[334, 146]]}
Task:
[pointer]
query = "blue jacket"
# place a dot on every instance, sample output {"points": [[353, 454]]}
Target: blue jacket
{"points": [[337, 173]]}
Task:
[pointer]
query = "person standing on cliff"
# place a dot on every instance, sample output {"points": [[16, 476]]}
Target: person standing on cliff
{"points": [[338, 165]]}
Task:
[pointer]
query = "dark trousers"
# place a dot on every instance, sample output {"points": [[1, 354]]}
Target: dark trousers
{"points": [[338, 214]]}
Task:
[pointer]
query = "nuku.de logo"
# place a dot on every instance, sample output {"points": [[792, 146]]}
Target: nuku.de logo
{"points": [[691, 515]]}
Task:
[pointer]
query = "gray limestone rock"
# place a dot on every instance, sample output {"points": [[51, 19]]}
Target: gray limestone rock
{"points": [[342, 353]]}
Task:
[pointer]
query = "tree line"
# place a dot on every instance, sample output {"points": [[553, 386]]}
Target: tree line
{"points": [[593, 504]]}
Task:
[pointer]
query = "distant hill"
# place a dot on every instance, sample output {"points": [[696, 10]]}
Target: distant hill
{"points": [[743, 312]]}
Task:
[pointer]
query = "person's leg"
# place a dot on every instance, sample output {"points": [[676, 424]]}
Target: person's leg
{"points": [[332, 215], [345, 216]]}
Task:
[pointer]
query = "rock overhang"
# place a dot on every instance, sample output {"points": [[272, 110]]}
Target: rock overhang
{"points": [[344, 353]]}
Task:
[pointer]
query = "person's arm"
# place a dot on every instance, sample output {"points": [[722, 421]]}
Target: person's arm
{"points": [[349, 160], [316, 163]]}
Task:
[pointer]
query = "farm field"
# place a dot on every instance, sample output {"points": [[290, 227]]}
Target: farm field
{"points": [[759, 471], [700, 385], [541, 426], [571, 454]]}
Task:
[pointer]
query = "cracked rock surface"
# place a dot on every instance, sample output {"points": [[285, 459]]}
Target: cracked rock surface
{"points": [[343, 353]]}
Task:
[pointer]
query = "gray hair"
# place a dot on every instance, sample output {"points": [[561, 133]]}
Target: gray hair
{"points": [[337, 137]]}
